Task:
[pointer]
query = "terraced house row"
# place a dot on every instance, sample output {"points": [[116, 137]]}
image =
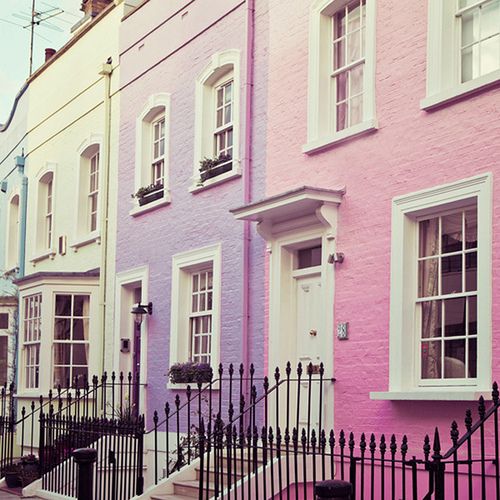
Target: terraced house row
{"points": [[190, 184]]}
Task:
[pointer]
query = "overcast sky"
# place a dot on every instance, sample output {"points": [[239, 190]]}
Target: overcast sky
{"points": [[15, 41]]}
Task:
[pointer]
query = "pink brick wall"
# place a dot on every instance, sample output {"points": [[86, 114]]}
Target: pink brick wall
{"points": [[411, 150]]}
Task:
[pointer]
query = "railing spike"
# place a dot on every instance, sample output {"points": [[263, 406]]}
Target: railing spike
{"points": [[481, 408], [495, 394], [454, 434]]}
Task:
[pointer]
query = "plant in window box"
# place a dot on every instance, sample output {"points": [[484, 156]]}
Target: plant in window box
{"points": [[212, 167], [149, 193], [190, 373]]}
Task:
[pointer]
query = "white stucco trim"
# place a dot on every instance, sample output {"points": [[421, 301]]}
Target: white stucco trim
{"points": [[320, 132], [43, 253], [220, 64], [153, 107], [182, 265], [123, 323], [403, 377], [81, 236], [12, 261]]}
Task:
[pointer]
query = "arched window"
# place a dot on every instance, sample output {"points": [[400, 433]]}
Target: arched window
{"points": [[45, 213], [152, 148], [217, 119]]}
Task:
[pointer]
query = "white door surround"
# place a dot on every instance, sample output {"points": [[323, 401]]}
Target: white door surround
{"points": [[295, 220]]}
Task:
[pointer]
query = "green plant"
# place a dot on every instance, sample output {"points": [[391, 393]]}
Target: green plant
{"points": [[210, 163], [190, 372], [144, 191], [124, 413]]}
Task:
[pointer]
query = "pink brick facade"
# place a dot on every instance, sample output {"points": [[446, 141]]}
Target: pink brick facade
{"points": [[411, 150]]}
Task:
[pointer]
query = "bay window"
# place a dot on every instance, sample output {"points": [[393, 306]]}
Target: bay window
{"points": [[32, 306]]}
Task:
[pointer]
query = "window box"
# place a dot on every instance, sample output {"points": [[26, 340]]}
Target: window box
{"points": [[210, 168], [188, 373], [149, 194]]}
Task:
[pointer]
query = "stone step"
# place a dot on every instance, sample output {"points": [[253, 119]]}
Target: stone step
{"points": [[212, 474], [191, 488]]}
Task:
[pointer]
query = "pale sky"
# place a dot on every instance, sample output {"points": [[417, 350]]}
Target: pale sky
{"points": [[14, 41]]}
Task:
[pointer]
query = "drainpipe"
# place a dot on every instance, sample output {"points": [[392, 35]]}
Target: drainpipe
{"points": [[20, 163], [247, 170], [106, 72]]}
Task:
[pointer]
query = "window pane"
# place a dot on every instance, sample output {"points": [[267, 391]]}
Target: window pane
{"points": [[470, 63], [62, 376], [431, 360], [339, 54], [454, 317], [472, 303], [470, 27], [473, 358], [80, 329], [203, 281], [429, 237], [341, 81], [309, 257], [81, 305], [219, 117], [195, 304], [454, 359], [353, 17], [341, 116], [356, 110], [63, 305], [428, 277], [471, 272], [62, 353], [80, 354], [356, 80], [227, 115], [4, 321], [451, 233], [62, 329], [471, 229], [229, 92], [339, 24], [490, 55], [220, 97], [451, 274], [490, 19], [431, 319], [80, 376], [353, 47]]}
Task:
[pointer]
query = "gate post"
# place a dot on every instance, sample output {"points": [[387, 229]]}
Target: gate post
{"points": [[333, 490], [85, 459]]}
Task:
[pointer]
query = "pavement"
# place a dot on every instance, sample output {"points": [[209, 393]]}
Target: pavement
{"points": [[5, 494]]}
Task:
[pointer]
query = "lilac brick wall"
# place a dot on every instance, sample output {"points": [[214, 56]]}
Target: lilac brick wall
{"points": [[191, 220], [412, 150]]}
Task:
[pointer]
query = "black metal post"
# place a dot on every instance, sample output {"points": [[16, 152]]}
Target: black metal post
{"points": [[85, 459], [333, 490]]}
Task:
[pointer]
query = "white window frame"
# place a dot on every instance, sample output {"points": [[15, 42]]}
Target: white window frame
{"points": [[83, 235], [12, 240], [223, 67], [71, 342], [443, 58], [321, 131], [42, 250], [404, 334], [156, 107], [155, 160], [29, 344], [183, 266]]}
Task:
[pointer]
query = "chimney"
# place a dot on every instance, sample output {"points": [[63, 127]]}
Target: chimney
{"points": [[49, 53], [93, 8]]}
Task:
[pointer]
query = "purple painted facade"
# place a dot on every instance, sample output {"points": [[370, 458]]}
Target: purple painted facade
{"points": [[163, 50]]}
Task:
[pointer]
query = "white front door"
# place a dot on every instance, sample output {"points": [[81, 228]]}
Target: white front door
{"points": [[309, 302], [309, 344]]}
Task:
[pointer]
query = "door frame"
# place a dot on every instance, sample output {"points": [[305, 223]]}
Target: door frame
{"points": [[126, 282]]}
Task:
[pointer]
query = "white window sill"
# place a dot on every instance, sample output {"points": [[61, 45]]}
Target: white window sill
{"points": [[138, 210], [214, 181], [433, 394], [42, 256], [325, 142], [94, 237], [462, 90]]}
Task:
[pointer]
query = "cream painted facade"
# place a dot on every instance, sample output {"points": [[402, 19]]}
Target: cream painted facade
{"points": [[66, 296]]}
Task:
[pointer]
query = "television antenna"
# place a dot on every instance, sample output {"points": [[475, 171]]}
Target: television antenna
{"points": [[38, 18]]}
